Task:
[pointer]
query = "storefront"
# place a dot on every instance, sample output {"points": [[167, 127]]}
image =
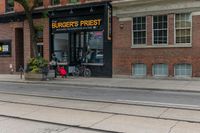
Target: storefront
{"points": [[83, 34]]}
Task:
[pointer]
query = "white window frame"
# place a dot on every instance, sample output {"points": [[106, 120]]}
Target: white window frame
{"points": [[182, 76], [133, 44], [183, 28], [133, 70], [160, 44], [153, 70]]}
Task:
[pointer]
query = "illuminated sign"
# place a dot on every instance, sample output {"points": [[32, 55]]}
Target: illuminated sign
{"points": [[5, 49], [58, 25]]}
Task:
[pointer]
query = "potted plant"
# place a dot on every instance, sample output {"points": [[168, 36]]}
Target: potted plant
{"points": [[36, 69]]}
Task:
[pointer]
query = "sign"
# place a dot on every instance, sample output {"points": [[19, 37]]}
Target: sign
{"points": [[5, 49], [79, 23]]}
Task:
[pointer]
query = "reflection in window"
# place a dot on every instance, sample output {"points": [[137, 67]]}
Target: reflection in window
{"points": [[160, 70], [139, 30], [9, 5], [160, 29], [61, 47], [183, 28], [139, 70], [94, 43], [183, 70]]}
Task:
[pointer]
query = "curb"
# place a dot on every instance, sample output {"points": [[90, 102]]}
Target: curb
{"points": [[103, 86]]}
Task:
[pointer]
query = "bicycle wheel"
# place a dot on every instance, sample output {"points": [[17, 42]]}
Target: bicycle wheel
{"points": [[76, 72], [87, 72]]}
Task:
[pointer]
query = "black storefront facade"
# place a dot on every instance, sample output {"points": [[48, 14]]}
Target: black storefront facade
{"points": [[83, 34]]}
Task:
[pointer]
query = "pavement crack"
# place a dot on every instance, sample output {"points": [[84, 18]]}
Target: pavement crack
{"points": [[171, 128], [105, 106], [163, 112], [102, 120]]}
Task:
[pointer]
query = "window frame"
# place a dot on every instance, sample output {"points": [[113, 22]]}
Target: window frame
{"points": [[132, 31], [133, 70], [160, 44], [153, 70], [183, 28], [9, 9], [182, 76]]}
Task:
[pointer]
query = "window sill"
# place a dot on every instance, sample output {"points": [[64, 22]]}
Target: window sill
{"points": [[8, 12], [162, 46], [40, 7], [56, 5], [73, 3]]}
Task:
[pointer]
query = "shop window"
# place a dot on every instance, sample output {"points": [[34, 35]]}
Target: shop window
{"points": [[139, 30], [139, 70], [55, 2], [183, 70], [183, 25], [61, 47], [39, 34], [94, 44], [9, 5], [160, 70], [5, 48], [160, 30]]}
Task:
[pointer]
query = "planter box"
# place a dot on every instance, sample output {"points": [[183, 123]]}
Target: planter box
{"points": [[33, 76]]}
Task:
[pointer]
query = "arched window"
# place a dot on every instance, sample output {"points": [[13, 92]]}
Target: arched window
{"points": [[160, 70], [139, 70]]}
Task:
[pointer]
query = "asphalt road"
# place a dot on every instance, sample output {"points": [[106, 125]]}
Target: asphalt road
{"points": [[107, 94]]}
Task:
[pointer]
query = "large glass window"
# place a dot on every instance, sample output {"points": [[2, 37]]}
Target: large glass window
{"points": [[139, 70], [39, 40], [61, 47], [9, 5], [160, 29], [139, 30], [183, 70], [183, 26], [94, 44], [160, 70]]}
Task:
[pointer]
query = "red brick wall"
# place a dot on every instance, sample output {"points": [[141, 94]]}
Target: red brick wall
{"points": [[6, 32], [124, 56]]}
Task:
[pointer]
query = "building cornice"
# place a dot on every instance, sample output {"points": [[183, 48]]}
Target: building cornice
{"points": [[130, 8]]}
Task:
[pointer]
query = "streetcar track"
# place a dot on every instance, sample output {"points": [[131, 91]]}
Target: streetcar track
{"points": [[59, 124], [93, 110]]}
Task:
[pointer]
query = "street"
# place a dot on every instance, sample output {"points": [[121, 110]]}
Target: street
{"points": [[160, 98], [37, 108]]}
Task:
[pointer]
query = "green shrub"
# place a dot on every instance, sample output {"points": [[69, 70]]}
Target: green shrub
{"points": [[35, 65]]}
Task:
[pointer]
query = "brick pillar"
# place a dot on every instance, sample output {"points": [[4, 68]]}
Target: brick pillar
{"points": [[46, 3], [46, 37], [2, 6], [171, 29], [149, 30]]}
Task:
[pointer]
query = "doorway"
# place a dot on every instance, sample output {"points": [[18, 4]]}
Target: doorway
{"points": [[19, 48]]}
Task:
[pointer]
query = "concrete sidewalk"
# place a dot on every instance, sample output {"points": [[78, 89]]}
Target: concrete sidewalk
{"points": [[128, 83]]}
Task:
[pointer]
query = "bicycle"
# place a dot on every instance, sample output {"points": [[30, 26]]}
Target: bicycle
{"points": [[82, 70]]}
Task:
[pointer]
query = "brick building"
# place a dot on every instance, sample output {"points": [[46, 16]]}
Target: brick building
{"points": [[72, 29], [156, 38], [143, 38]]}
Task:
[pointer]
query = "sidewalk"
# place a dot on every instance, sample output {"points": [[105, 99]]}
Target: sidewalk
{"points": [[128, 83]]}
